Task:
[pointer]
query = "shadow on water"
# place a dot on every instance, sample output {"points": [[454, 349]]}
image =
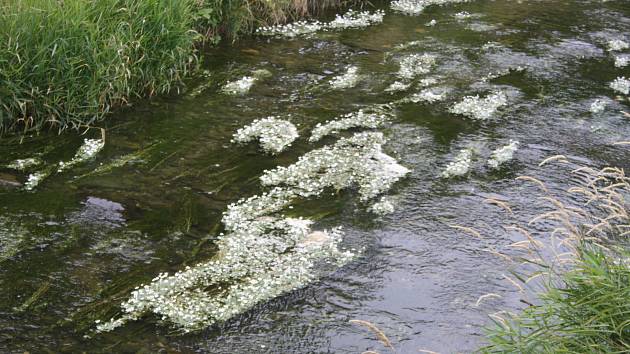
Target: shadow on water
{"points": [[152, 199]]}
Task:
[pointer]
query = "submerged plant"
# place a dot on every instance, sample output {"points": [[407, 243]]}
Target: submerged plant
{"points": [[87, 151], [621, 85], [460, 166], [350, 19], [359, 119], [480, 108], [274, 134], [349, 79], [503, 154]]}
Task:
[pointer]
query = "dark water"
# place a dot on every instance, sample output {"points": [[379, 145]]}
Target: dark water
{"points": [[73, 249]]}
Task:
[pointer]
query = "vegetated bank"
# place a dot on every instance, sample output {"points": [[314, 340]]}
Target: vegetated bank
{"points": [[583, 301], [67, 64]]}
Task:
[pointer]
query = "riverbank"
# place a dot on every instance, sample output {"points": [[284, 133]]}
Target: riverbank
{"points": [[68, 64]]}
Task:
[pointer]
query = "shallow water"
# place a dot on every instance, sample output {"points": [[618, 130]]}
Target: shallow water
{"points": [[72, 250]]}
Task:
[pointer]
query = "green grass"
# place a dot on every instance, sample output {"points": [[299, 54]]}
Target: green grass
{"points": [[586, 311], [66, 64]]}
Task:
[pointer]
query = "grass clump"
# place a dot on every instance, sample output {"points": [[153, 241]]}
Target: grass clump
{"points": [[65, 64], [584, 302]]}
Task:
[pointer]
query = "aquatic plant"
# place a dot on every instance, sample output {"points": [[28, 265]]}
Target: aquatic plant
{"points": [[383, 206], [427, 95], [598, 106], [351, 19], [415, 64], [460, 165], [239, 87], [357, 160], [503, 154], [274, 134], [347, 80], [621, 85], [462, 15], [621, 61], [359, 119], [431, 23], [87, 151], [617, 45], [34, 179], [24, 164], [397, 86], [480, 108], [415, 7], [429, 81]]}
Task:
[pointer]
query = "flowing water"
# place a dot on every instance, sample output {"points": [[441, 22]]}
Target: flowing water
{"points": [[151, 201]]}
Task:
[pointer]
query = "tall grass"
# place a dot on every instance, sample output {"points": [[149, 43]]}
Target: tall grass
{"points": [[66, 64], [584, 305]]}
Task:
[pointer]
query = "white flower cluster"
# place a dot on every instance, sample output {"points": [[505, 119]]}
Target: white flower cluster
{"points": [[239, 87], [350, 19], [428, 96], [87, 151], [429, 81], [264, 254], [274, 134], [462, 15], [480, 108], [357, 160], [414, 65], [622, 61], [349, 79], [359, 119], [621, 84], [24, 164], [383, 207], [397, 86], [460, 166], [503, 154], [617, 45], [34, 179], [431, 23], [598, 106], [415, 7]]}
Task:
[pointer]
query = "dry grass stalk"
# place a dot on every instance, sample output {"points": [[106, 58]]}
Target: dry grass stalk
{"points": [[379, 334], [499, 203], [560, 158], [468, 230]]}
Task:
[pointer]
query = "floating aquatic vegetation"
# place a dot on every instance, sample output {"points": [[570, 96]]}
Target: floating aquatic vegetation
{"points": [[274, 134], [462, 15], [383, 207], [87, 151], [415, 64], [359, 119], [415, 7], [503, 72], [350, 19], [429, 81], [349, 79], [617, 45], [622, 61], [34, 179], [621, 84], [598, 106], [431, 23], [397, 86], [357, 160], [239, 87], [480, 108], [503, 154], [460, 166], [25, 164], [427, 96], [12, 236]]}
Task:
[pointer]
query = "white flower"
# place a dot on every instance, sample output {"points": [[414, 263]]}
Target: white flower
{"points": [[358, 119], [87, 151], [460, 166], [414, 65], [622, 61], [24, 164], [503, 154], [350, 19], [383, 207], [397, 86], [239, 87], [621, 84], [415, 7], [274, 134], [431, 23], [427, 96], [462, 15], [349, 79], [617, 45], [598, 106], [34, 179], [480, 108]]}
